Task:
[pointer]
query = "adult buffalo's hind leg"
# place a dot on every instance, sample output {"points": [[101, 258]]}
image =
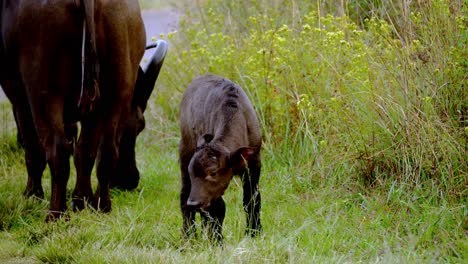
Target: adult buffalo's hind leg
{"points": [[58, 152], [27, 135], [252, 198], [19, 137], [108, 154], [34, 153], [84, 158], [50, 130], [47, 100], [118, 68], [106, 162], [117, 93], [49, 63]]}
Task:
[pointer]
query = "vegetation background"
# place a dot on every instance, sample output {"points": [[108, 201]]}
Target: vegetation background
{"points": [[364, 108]]}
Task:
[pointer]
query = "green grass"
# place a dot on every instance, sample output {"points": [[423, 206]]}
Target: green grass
{"points": [[321, 224], [364, 116]]}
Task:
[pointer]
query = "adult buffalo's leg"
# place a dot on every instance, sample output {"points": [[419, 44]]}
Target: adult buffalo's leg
{"points": [[118, 68], [117, 94], [50, 130], [108, 156], [46, 92], [34, 153], [71, 130], [49, 63], [108, 153], [213, 218], [252, 198], [19, 137], [58, 152], [84, 158], [126, 176]]}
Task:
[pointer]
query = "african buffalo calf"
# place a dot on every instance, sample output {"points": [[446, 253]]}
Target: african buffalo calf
{"points": [[220, 137]]}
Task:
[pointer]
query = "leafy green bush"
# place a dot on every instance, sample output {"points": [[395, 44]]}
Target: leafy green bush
{"points": [[357, 97]]}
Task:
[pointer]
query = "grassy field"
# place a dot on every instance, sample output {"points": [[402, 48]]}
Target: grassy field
{"points": [[364, 114]]}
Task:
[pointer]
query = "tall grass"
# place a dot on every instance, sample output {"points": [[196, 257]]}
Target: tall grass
{"points": [[378, 91], [363, 107]]}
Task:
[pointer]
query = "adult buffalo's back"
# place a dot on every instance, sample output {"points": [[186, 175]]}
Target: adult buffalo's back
{"points": [[41, 74], [220, 137]]}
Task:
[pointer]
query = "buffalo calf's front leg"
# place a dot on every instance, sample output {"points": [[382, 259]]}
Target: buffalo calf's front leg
{"points": [[213, 218], [252, 199], [188, 213]]}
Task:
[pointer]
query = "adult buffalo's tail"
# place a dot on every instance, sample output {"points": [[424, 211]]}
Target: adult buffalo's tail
{"points": [[90, 90]]}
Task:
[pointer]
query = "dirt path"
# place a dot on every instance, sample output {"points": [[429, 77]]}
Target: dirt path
{"points": [[156, 22]]}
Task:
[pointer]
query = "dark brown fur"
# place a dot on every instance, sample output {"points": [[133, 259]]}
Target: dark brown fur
{"points": [[220, 137], [40, 72]]}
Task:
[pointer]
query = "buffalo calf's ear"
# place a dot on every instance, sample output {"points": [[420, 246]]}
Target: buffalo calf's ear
{"points": [[203, 140], [239, 158]]}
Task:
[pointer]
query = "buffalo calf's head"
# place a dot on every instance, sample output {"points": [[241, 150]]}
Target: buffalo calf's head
{"points": [[211, 169]]}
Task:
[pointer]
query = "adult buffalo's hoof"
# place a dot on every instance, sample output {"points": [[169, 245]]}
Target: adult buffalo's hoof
{"points": [[34, 193], [103, 205], [53, 216], [126, 180], [80, 203], [253, 232], [128, 185]]}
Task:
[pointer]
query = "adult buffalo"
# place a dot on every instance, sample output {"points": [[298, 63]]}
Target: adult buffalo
{"points": [[42, 46]]}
